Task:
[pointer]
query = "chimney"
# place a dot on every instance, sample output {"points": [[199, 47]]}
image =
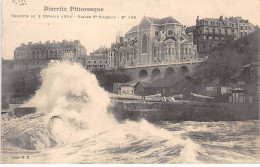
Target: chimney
{"points": [[221, 18], [197, 20], [121, 39]]}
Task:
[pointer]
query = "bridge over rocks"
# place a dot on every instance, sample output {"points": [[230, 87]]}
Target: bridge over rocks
{"points": [[161, 71]]}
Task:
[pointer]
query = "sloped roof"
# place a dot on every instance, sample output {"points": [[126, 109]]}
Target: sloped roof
{"points": [[163, 20], [131, 83], [143, 82], [133, 29], [247, 65], [156, 21], [217, 19], [163, 82], [237, 89]]}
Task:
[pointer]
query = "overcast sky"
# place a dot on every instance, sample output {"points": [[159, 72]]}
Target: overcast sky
{"points": [[94, 33]]}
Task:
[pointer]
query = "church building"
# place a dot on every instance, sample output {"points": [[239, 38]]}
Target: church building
{"points": [[152, 42]]}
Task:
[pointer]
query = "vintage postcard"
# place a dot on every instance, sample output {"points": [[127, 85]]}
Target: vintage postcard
{"points": [[130, 82]]}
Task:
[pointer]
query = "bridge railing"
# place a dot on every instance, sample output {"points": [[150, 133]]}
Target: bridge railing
{"points": [[198, 60]]}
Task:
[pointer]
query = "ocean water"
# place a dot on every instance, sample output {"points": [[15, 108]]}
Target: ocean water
{"points": [[72, 125]]}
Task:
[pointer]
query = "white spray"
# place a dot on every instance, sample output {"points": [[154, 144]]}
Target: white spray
{"points": [[72, 101], [75, 109]]}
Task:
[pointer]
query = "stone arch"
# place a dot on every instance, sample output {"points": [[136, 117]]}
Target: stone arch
{"points": [[156, 73], [143, 73], [168, 72], [184, 70]]}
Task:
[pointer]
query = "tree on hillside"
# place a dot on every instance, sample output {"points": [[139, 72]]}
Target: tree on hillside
{"points": [[106, 79], [101, 50], [225, 61]]}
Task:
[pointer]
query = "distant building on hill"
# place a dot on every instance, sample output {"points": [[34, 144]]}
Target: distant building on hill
{"points": [[210, 32], [37, 55], [96, 62]]}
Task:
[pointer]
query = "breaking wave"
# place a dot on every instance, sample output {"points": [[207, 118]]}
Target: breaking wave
{"points": [[72, 110]]}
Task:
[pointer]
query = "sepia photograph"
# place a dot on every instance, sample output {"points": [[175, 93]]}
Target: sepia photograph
{"points": [[130, 82]]}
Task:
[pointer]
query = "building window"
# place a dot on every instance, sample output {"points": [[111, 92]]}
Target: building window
{"points": [[120, 57], [127, 56], [245, 33], [233, 33], [249, 28], [226, 32], [241, 27], [88, 61], [156, 33], [170, 32], [134, 54], [154, 52], [219, 31], [245, 27], [169, 51], [144, 43], [100, 61], [94, 61]]}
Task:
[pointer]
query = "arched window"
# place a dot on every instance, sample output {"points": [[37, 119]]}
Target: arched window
{"points": [[120, 57], [127, 56], [144, 43], [154, 52], [134, 54], [169, 51]]}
